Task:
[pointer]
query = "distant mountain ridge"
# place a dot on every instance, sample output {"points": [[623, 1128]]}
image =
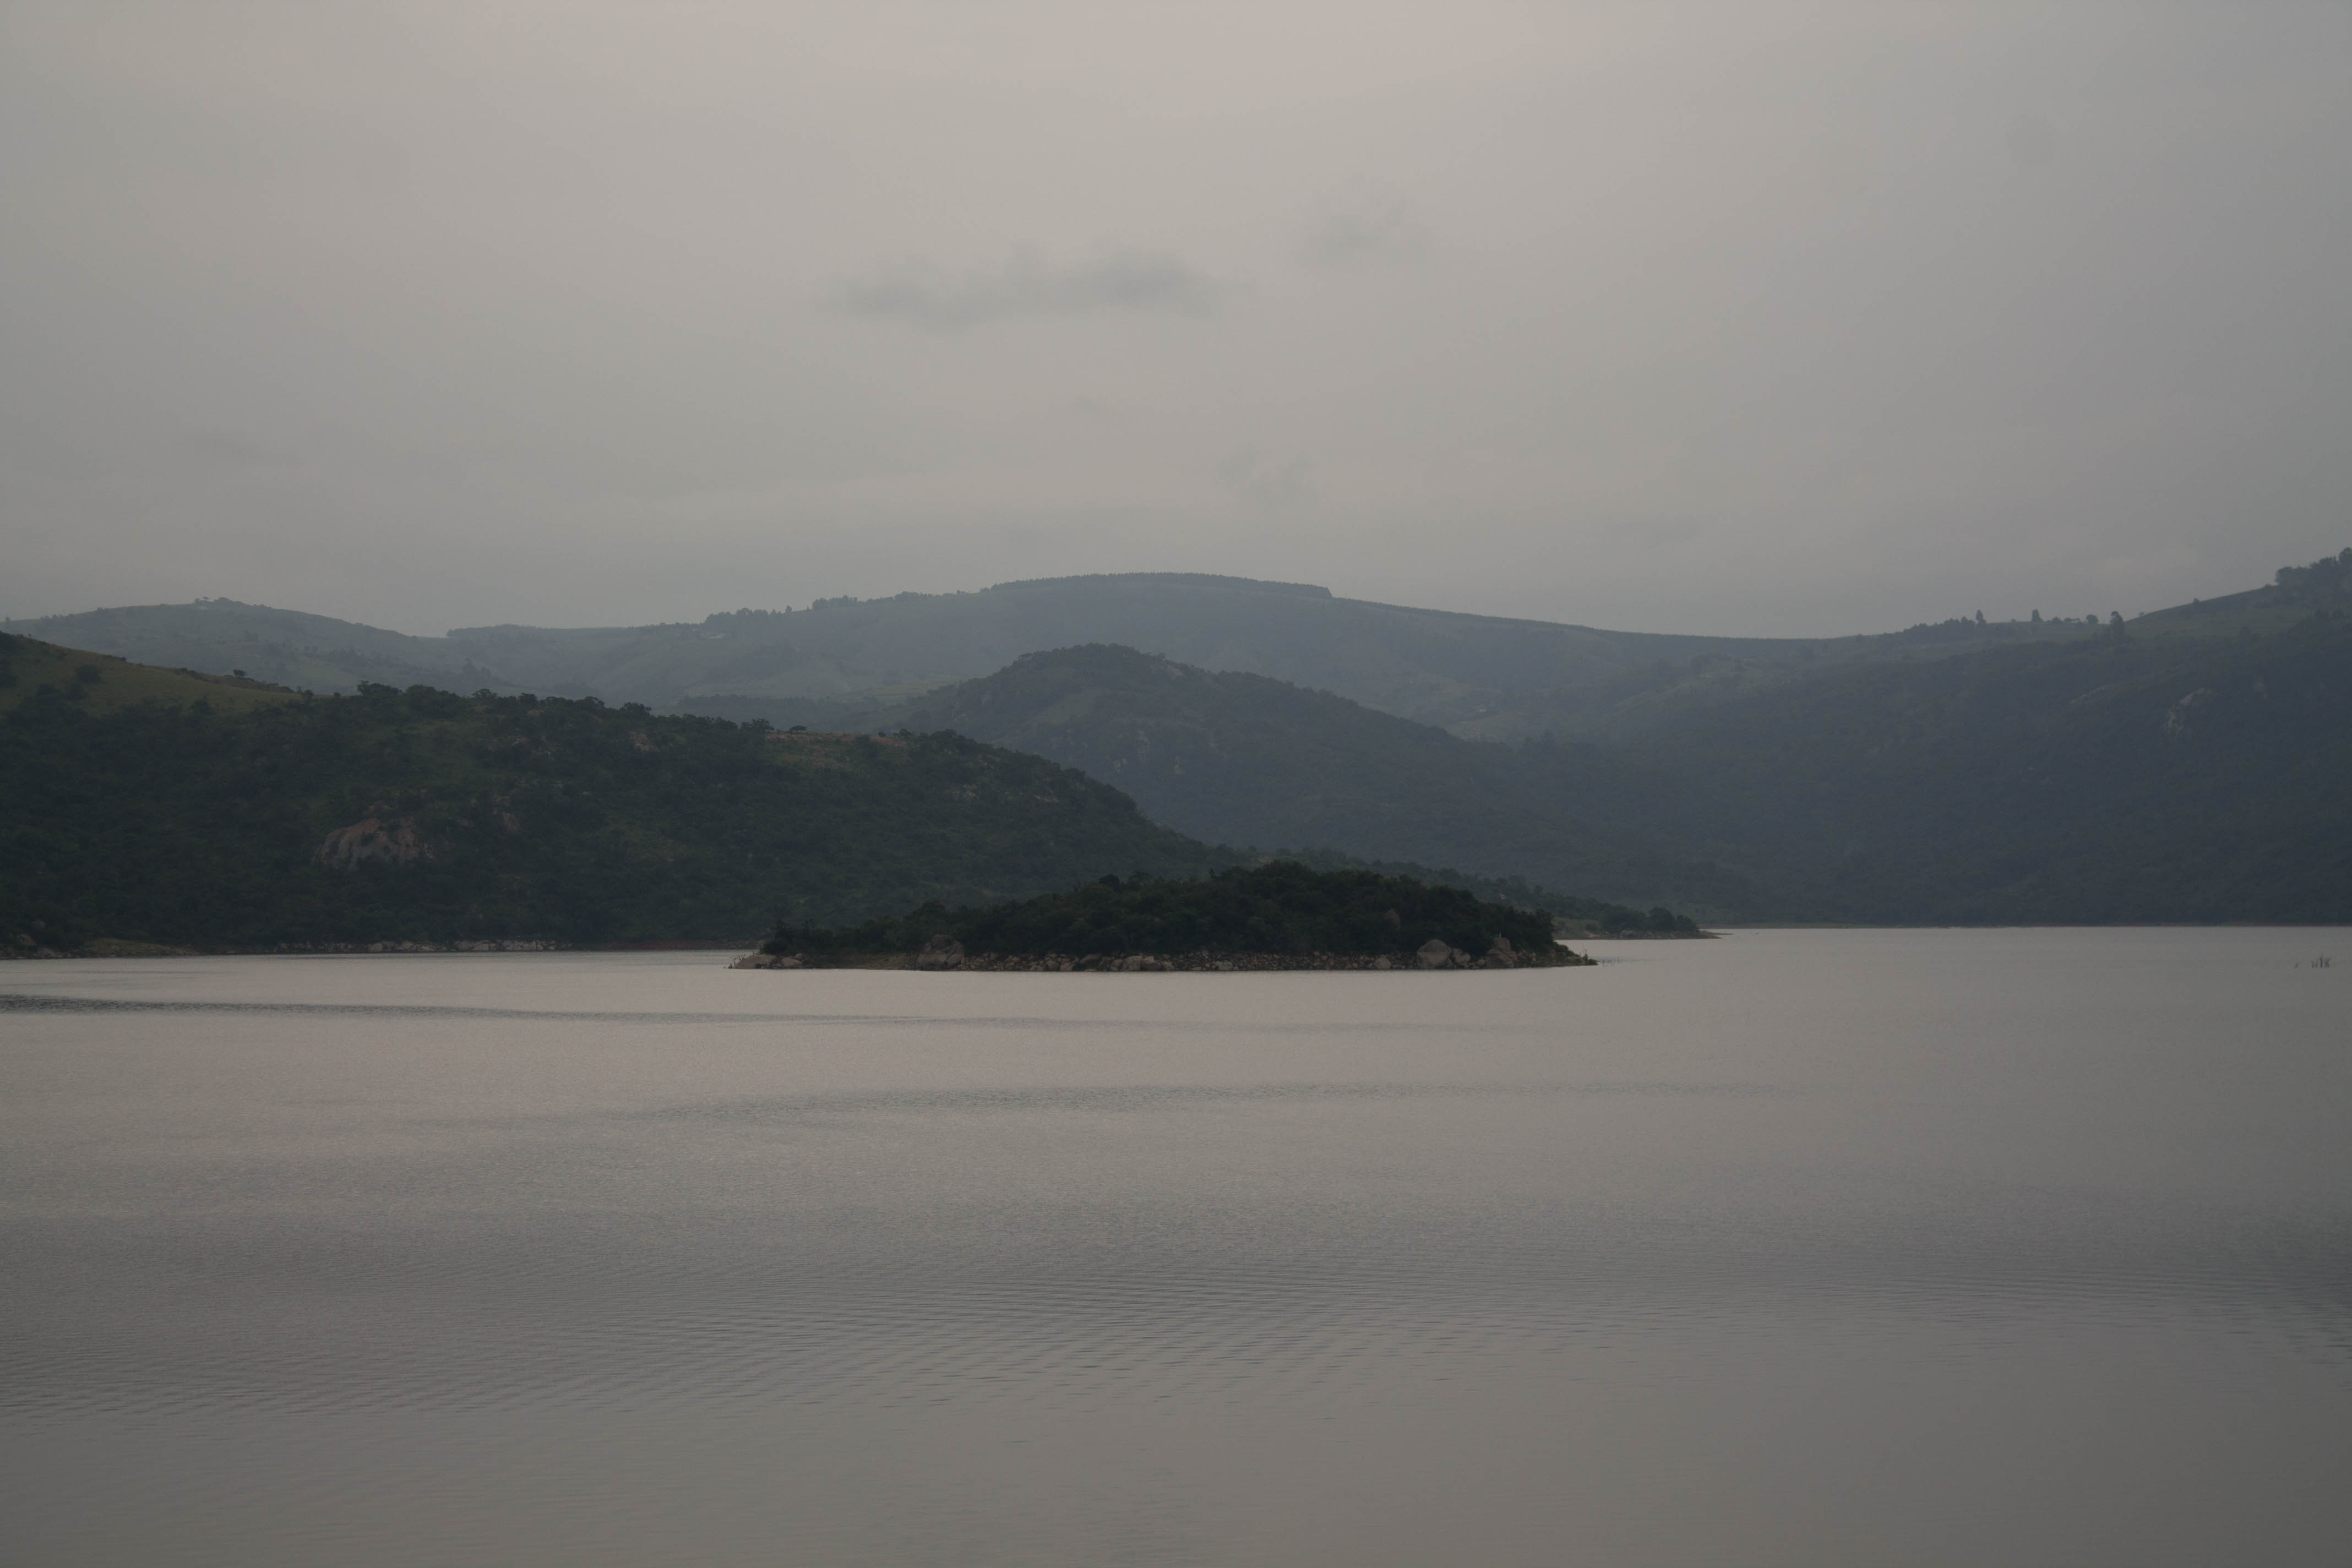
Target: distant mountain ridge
{"points": [[1247, 760], [843, 654], [842, 662], [2150, 774], [1192, 579], [2186, 768], [150, 806], [287, 647]]}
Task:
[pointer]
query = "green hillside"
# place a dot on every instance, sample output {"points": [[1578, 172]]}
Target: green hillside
{"points": [[286, 647], [2182, 766], [101, 683], [2135, 777], [841, 662], [222, 817], [1666, 696], [2186, 767], [1241, 759]]}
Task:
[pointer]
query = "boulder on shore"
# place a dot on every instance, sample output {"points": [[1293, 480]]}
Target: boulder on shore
{"points": [[942, 952]]}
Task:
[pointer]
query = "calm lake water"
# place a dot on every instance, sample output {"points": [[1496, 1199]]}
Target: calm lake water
{"points": [[1938, 1247]]}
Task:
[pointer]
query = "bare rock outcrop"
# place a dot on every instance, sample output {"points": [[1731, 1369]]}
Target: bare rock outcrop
{"points": [[372, 838], [942, 952]]}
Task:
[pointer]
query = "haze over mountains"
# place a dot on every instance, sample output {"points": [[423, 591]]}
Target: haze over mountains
{"points": [[2116, 778], [2187, 765], [1481, 675]]}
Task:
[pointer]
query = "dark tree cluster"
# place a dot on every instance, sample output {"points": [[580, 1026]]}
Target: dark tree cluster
{"points": [[1281, 907]]}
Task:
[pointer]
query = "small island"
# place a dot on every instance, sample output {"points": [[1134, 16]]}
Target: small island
{"points": [[1278, 915]]}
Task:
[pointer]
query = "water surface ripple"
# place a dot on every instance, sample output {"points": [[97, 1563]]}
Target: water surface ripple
{"points": [[1821, 1248]]}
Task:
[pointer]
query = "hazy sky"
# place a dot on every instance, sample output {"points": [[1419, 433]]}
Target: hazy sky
{"points": [[1741, 317]]}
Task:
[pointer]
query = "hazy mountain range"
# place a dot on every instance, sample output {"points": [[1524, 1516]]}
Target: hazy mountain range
{"points": [[2187, 765], [154, 807], [2130, 777], [1477, 675]]}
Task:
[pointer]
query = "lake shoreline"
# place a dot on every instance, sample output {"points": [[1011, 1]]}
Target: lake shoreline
{"points": [[1202, 961]]}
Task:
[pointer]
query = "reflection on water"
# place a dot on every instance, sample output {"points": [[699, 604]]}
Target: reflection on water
{"points": [[1809, 1248]]}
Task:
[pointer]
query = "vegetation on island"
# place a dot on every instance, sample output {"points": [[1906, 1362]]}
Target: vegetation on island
{"points": [[1283, 907], [1571, 917]]}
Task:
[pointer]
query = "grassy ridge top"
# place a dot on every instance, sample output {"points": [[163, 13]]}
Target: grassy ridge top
{"points": [[101, 683], [1283, 907]]}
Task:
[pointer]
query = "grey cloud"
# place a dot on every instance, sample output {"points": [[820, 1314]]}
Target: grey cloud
{"points": [[220, 449], [1390, 232], [2032, 140], [1118, 282], [1267, 482], [1910, 307]]}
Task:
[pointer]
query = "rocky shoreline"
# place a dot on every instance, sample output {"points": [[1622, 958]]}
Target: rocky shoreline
{"points": [[108, 947], [940, 954], [523, 946]]}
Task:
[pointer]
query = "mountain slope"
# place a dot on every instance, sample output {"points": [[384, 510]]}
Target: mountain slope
{"points": [[1434, 665], [1627, 704], [842, 659], [420, 815], [101, 683], [1244, 759], [2129, 776], [286, 647]]}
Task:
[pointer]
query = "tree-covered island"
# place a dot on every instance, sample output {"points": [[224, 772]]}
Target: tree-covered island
{"points": [[1279, 915]]}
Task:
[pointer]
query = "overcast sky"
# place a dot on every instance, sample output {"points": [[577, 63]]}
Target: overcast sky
{"points": [[1744, 319]]}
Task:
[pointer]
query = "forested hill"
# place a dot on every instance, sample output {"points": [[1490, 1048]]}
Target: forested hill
{"points": [[1243, 758], [2137, 774], [2186, 767], [845, 663], [148, 806], [839, 662], [838, 657]]}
